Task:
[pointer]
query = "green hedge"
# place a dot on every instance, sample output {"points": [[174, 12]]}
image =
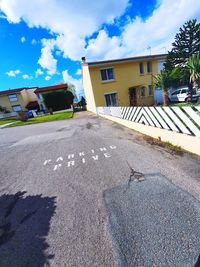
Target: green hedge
{"points": [[58, 100]]}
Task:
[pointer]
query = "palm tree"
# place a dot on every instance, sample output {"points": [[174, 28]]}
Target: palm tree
{"points": [[193, 65], [161, 81], [166, 79]]}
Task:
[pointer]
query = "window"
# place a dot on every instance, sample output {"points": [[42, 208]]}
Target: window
{"points": [[149, 67], [40, 96], [141, 68], [107, 74], [142, 91], [12, 97], [16, 108], [176, 92], [111, 100], [160, 65], [194, 91], [184, 91], [150, 90]]}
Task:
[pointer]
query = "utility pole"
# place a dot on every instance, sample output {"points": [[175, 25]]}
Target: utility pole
{"points": [[165, 49], [149, 48]]}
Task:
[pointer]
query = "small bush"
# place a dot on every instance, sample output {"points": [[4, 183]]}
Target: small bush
{"points": [[23, 116]]}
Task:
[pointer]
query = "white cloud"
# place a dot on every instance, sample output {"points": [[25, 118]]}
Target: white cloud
{"points": [[157, 31], [47, 78], [58, 53], [47, 61], [2, 16], [67, 78], [72, 21], [33, 42], [39, 72], [160, 28], [23, 39], [13, 73], [27, 77], [79, 72], [104, 47], [75, 21]]}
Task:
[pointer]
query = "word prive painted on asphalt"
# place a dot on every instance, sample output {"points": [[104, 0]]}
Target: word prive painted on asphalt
{"points": [[81, 157]]}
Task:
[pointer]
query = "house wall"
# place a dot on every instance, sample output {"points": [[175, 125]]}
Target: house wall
{"points": [[28, 95], [87, 85], [5, 102], [127, 75]]}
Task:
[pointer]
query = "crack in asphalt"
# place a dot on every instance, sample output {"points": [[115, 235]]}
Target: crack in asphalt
{"points": [[134, 176], [138, 176]]}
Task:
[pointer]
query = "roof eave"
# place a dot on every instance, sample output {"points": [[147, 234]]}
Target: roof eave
{"points": [[125, 60]]}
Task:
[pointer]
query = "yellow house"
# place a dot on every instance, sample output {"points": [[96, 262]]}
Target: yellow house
{"points": [[16, 100], [120, 82]]}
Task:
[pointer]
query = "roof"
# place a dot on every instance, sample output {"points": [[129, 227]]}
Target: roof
{"points": [[11, 91], [32, 104], [51, 88], [124, 60]]}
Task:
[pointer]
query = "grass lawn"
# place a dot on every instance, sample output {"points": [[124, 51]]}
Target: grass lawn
{"points": [[183, 104], [5, 121], [45, 118]]}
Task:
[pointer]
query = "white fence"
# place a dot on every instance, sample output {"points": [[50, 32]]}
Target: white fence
{"points": [[8, 115], [178, 119]]}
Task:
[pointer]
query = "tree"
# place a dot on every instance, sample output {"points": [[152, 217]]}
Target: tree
{"points": [[187, 43], [193, 66], [58, 100], [83, 103], [4, 110], [166, 79], [72, 88]]}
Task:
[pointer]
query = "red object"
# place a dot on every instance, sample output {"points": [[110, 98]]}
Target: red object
{"points": [[8, 92], [33, 104], [51, 88]]}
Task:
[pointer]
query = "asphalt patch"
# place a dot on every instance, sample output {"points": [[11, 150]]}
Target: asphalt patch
{"points": [[153, 223]]}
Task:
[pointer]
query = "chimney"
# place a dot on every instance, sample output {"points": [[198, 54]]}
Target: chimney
{"points": [[83, 60]]}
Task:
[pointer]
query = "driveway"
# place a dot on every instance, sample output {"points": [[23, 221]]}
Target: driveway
{"points": [[89, 192]]}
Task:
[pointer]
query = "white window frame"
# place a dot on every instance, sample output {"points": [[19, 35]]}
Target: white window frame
{"points": [[108, 80], [13, 108], [109, 93], [14, 95]]}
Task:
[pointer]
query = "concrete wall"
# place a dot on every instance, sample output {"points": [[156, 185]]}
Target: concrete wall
{"points": [[189, 143], [87, 85]]}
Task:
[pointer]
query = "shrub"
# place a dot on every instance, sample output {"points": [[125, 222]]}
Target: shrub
{"points": [[58, 100], [23, 116]]}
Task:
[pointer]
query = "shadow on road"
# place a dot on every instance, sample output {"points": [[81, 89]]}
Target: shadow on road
{"points": [[24, 226]]}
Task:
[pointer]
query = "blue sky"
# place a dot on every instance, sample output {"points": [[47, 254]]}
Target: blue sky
{"points": [[41, 42]]}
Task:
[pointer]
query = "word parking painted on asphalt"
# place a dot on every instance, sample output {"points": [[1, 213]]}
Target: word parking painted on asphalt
{"points": [[80, 158]]}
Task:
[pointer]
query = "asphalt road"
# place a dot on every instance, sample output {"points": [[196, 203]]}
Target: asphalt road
{"points": [[89, 192]]}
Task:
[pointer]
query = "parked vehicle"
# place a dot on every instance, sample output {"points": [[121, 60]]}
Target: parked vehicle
{"points": [[182, 94]]}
